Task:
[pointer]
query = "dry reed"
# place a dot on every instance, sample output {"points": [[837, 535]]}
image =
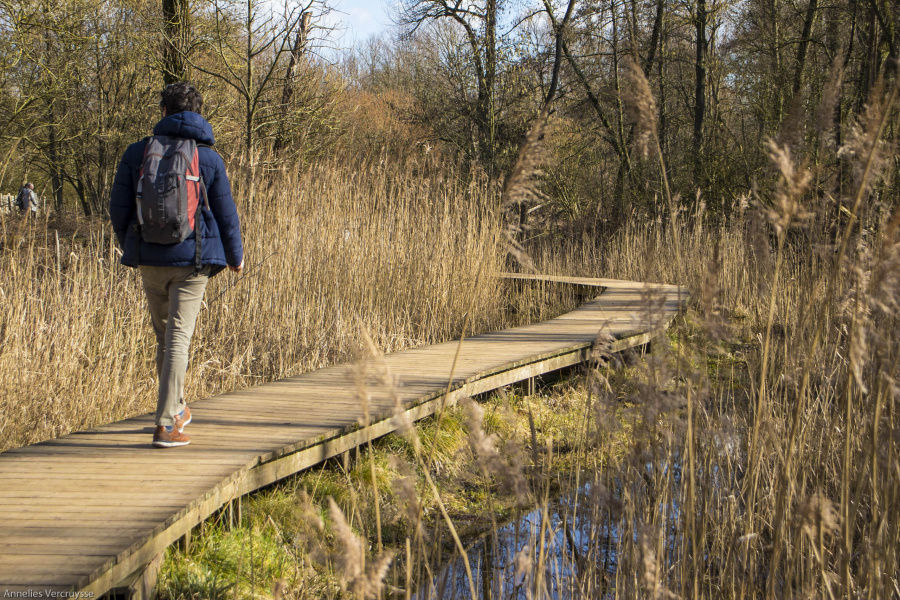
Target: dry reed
{"points": [[394, 247]]}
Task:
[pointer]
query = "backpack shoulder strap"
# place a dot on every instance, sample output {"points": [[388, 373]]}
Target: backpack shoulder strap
{"points": [[210, 146]]}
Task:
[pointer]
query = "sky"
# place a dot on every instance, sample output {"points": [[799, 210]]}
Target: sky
{"points": [[362, 18]]}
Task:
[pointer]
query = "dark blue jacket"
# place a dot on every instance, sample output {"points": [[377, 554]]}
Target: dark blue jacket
{"points": [[221, 242]]}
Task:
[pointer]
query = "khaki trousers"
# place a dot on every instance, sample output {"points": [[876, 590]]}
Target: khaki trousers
{"points": [[174, 295]]}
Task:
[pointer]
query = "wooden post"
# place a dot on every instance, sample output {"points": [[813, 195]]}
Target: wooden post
{"points": [[141, 585], [184, 542]]}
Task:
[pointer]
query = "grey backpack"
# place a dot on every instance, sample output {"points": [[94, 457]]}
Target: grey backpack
{"points": [[23, 200], [169, 190]]}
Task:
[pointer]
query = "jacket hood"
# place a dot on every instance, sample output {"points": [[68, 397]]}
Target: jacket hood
{"points": [[186, 125]]}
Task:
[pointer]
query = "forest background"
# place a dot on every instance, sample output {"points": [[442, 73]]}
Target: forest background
{"points": [[743, 149], [80, 81]]}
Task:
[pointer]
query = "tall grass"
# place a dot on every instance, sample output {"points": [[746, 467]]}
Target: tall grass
{"points": [[331, 249], [752, 454]]}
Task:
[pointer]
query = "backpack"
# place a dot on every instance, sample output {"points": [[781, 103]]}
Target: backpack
{"points": [[23, 200], [169, 190]]}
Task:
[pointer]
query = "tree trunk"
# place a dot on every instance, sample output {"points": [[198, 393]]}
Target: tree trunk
{"points": [[296, 53], [250, 93], [612, 138], [620, 210], [662, 102], [53, 155], [288, 92], [886, 21], [804, 44], [82, 198], [869, 51], [176, 14], [97, 191], [700, 21], [778, 80], [654, 38], [620, 109], [490, 75]]}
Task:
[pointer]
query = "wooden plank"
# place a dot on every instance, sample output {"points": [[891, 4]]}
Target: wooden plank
{"points": [[152, 461], [64, 579], [82, 520], [70, 549], [78, 509], [77, 477], [57, 570], [43, 563], [106, 501], [87, 511], [95, 549], [174, 460], [62, 533], [47, 590]]}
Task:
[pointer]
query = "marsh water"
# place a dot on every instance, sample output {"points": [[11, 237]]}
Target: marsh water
{"points": [[578, 541]]}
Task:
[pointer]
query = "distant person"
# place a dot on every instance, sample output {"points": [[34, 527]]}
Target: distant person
{"points": [[175, 219], [27, 200]]}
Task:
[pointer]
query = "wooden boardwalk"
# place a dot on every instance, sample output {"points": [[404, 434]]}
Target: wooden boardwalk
{"points": [[86, 511]]}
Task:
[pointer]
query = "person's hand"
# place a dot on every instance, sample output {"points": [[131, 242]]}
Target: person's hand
{"points": [[238, 268]]}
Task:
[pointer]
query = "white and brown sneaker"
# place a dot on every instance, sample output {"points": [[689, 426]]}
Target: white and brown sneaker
{"points": [[163, 438], [182, 418]]}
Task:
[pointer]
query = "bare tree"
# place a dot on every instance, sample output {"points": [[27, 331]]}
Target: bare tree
{"points": [[245, 49], [300, 38], [478, 21], [80, 91]]}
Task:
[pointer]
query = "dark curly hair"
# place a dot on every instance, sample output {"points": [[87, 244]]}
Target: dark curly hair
{"points": [[179, 97]]}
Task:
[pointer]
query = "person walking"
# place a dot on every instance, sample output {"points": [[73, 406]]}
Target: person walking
{"points": [[27, 200], [176, 255]]}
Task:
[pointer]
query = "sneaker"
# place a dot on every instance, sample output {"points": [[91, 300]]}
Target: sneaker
{"points": [[163, 437], [183, 418]]}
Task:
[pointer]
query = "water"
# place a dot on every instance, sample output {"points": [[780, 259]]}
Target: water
{"points": [[579, 553]]}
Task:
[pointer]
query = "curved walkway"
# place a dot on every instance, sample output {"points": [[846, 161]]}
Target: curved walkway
{"points": [[86, 511]]}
